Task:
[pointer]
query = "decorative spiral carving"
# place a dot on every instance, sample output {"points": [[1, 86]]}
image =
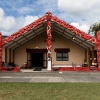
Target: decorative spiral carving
{"points": [[98, 49], [49, 35]]}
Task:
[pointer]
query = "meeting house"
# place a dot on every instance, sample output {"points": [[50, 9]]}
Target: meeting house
{"points": [[50, 43]]}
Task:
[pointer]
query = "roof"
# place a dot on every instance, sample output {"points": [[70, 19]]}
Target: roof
{"points": [[58, 26]]}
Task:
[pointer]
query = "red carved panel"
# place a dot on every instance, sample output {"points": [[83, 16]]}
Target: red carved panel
{"points": [[98, 49], [49, 35]]}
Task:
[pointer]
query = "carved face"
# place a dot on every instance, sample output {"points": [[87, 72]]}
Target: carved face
{"points": [[48, 15]]}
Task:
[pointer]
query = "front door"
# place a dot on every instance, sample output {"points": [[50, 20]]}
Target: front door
{"points": [[37, 59]]}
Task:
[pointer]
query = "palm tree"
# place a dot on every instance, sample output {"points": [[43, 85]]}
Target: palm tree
{"points": [[94, 28]]}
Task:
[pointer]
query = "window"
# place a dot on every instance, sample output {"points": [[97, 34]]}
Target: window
{"points": [[62, 56]]}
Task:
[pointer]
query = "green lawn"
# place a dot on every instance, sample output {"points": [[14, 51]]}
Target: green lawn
{"points": [[49, 91]]}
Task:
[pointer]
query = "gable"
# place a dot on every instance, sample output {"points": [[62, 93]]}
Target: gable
{"points": [[58, 26]]}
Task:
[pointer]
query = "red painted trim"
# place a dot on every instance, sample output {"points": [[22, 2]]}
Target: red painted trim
{"points": [[98, 49]]}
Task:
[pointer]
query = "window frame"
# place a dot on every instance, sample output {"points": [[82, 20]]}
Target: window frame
{"points": [[62, 56]]}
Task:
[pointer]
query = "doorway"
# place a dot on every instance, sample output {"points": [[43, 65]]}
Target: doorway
{"points": [[37, 59]]}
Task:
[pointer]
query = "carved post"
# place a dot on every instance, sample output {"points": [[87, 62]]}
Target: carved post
{"points": [[10, 55], [85, 60], [49, 40], [13, 56], [0, 49], [6, 55], [98, 49]]}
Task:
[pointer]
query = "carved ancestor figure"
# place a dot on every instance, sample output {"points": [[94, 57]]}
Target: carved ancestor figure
{"points": [[49, 35]]}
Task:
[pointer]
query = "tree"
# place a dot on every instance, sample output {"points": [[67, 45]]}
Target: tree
{"points": [[94, 28]]}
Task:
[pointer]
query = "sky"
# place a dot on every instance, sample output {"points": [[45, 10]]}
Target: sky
{"points": [[15, 14]]}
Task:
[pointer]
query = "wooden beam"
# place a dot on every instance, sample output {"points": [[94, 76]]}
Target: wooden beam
{"points": [[92, 54], [27, 58], [6, 55], [9, 55], [88, 56], [85, 56], [13, 56]]}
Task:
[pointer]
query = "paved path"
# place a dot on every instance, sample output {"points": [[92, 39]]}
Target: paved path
{"points": [[50, 77]]}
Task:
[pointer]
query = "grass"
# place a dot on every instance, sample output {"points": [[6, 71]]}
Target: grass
{"points": [[49, 91]]}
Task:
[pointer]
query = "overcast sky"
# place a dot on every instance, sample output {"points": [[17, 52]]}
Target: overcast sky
{"points": [[15, 14]]}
